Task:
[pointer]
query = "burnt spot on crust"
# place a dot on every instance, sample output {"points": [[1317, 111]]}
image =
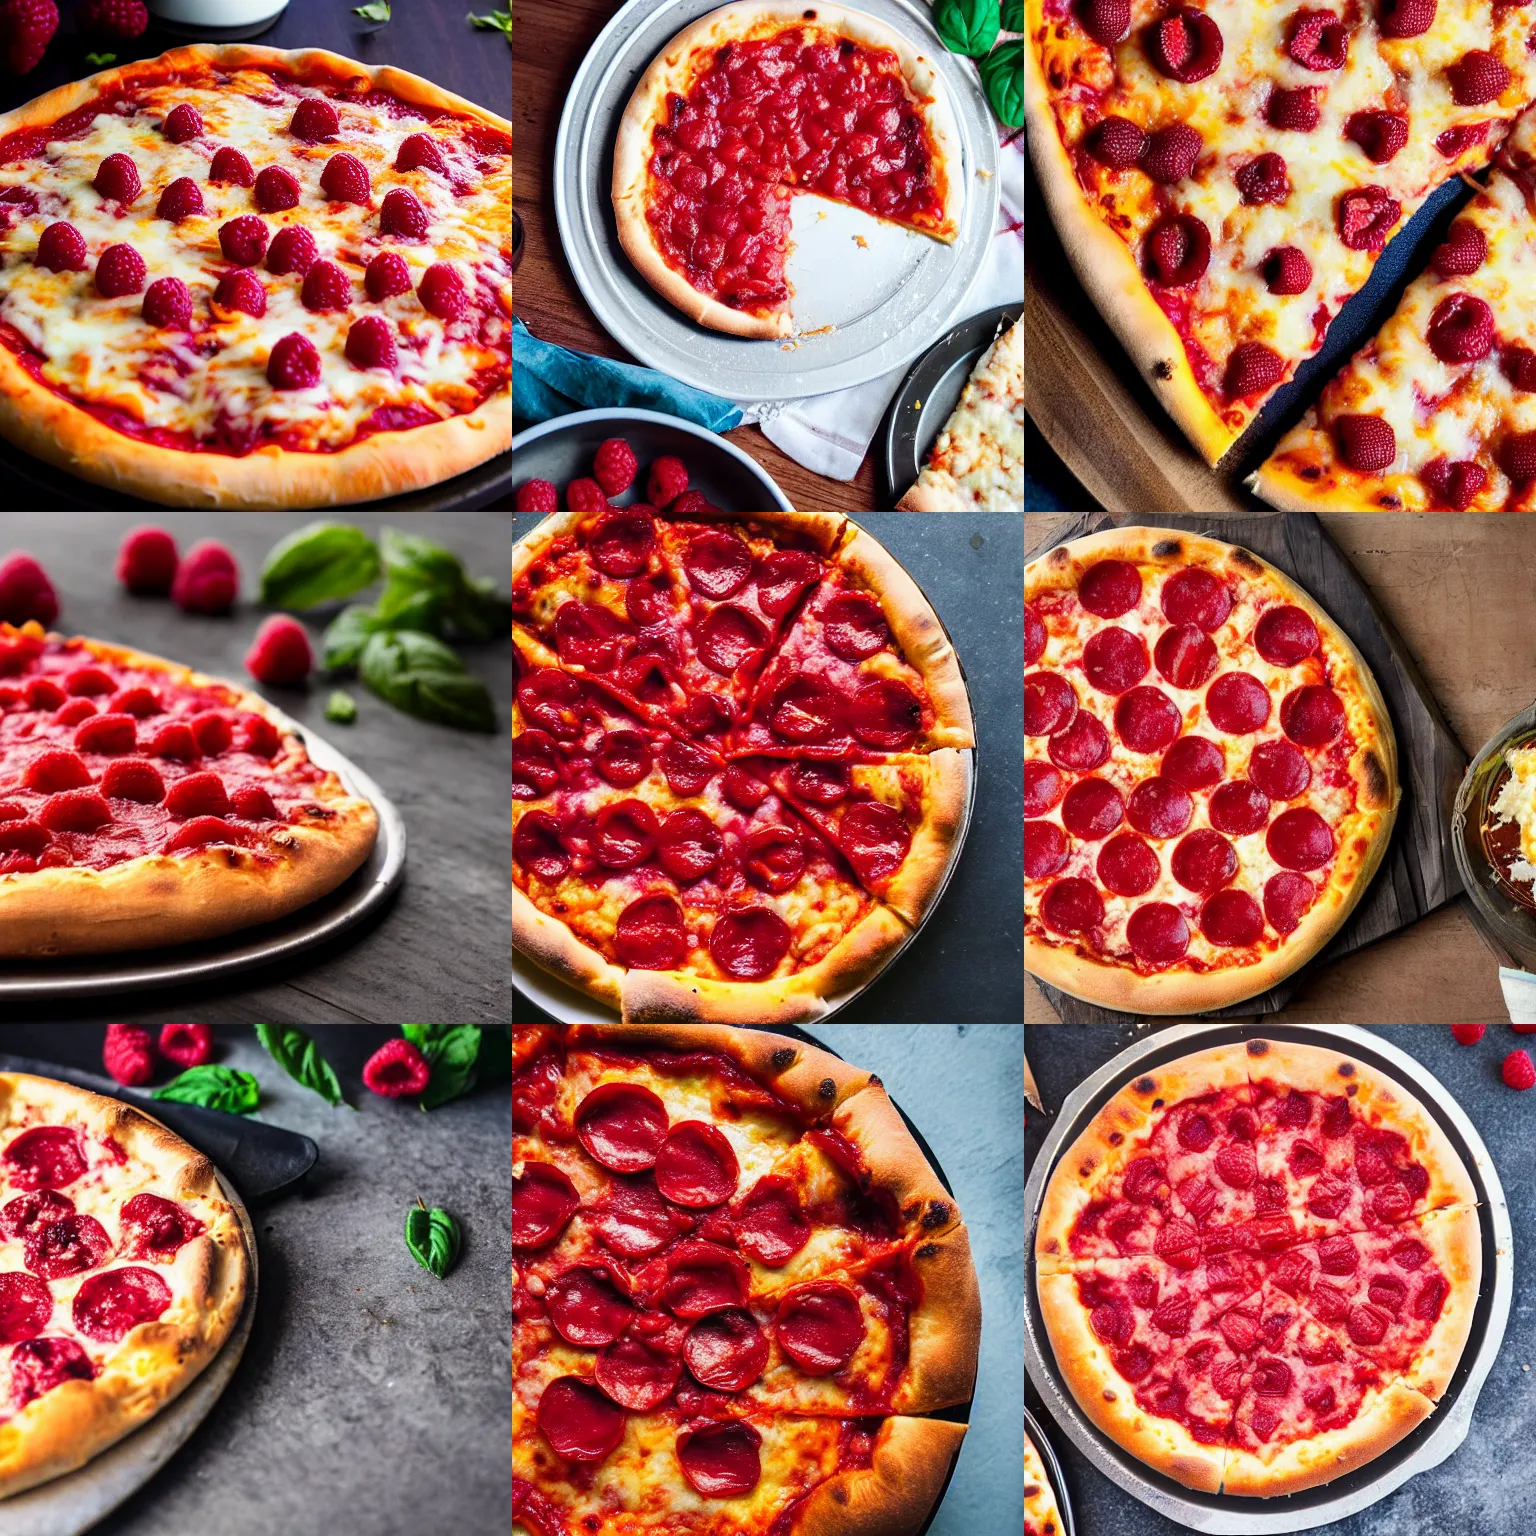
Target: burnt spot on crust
{"points": [[926, 1251], [1145, 1085], [1352, 1090], [1312, 472], [1166, 549], [1376, 791], [826, 1091], [1388, 501], [937, 1213], [783, 1058], [1346, 1069], [1257, 1047], [847, 48], [1246, 562], [1162, 370], [1115, 1138]]}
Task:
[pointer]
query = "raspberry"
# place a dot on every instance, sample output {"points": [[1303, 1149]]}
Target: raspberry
{"points": [[614, 466], [280, 653], [585, 496], [28, 27], [124, 19], [146, 562], [25, 591], [1519, 1071], [1469, 1034], [186, 1045], [537, 496], [1524, 1029], [397, 1070], [128, 1053], [206, 580], [690, 502], [667, 481]]}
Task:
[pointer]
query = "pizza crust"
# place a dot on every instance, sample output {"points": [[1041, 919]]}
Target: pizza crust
{"points": [[893, 1496], [1039, 1498]]}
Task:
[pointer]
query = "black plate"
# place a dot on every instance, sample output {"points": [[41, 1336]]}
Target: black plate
{"points": [[932, 389]]}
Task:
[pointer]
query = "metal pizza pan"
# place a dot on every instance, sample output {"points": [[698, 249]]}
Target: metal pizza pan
{"points": [[1054, 1475], [1431, 1443], [871, 293], [360, 898]]}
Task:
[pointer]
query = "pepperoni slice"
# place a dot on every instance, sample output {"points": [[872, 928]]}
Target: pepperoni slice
{"points": [[748, 943], [1034, 636], [1043, 787], [580, 1423], [875, 839], [1203, 861], [688, 845], [40, 1365], [586, 1307], [1239, 808], [623, 758], [1157, 933], [1092, 809], [66, 1247], [1185, 656], [706, 712], [1045, 849], [537, 846], [634, 1221], [806, 710], [624, 834], [886, 714], [718, 563], [769, 1223], [854, 627], [649, 934], [1312, 716], [1110, 588], [1279, 770], [726, 1352], [1232, 920], [621, 544], [1300, 839], [18, 1217], [1083, 746], [543, 1200], [782, 577], [26, 1304], [1114, 659], [1147, 720], [819, 1326], [552, 699], [1072, 906], [1287, 899], [536, 765], [721, 1461], [588, 635], [622, 1126], [1194, 596], [687, 767], [1195, 762], [156, 1228], [1285, 635], [703, 1278], [775, 858], [110, 1305], [1049, 703], [650, 674], [696, 1166], [729, 638], [46, 1157], [820, 783], [1237, 703], [648, 600], [743, 788], [638, 1373], [1127, 865], [1159, 808]]}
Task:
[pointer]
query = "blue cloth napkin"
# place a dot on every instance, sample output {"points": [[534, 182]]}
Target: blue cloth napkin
{"points": [[552, 381]]}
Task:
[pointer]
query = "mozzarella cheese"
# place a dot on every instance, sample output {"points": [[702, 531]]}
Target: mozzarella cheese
{"points": [[1516, 802]]}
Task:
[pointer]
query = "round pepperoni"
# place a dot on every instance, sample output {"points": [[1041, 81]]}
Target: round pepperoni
{"points": [[1072, 906], [770, 1225], [623, 758], [648, 600], [1083, 746], [688, 845], [1195, 762], [1194, 596], [1049, 703], [1203, 861], [588, 635], [820, 783], [748, 943], [1300, 839], [1157, 933], [46, 1157], [1287, 898], [1239, 808], [718, 563], [743, 788], [649, 934], [66, 1247], [1159, 808], [782, 576], [886, 714], [580, 1423], [110, 1305], [1147, 720], [819, 1326], [538, 847], [686, 766], [1034, 636], [543, 1200], [726, 1352], [1285, 635], [1092, 809], [774, 858], [721, 1461], [1127, 865], [1232, 920], [622, 543], [1312, 716], [624, 834], [1279, 770], [1114, 659], [536, 765], [26, 1304], [1237, 704], [1110, 588], [586, 1307], [729, 638], [1043, 787], [706, 712], [553, 699], [696, 1167], [40, 1365], [156, 1228], [875, 839], [853, 626], [634, 1221], [1185, 656], [622, 1126], [703, 1278], [18, 1217], [1045, 849], [807, 710]]}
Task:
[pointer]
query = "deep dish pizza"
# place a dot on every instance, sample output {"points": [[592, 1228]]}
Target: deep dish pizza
{"points": [[122, 1271], [1040, 1517], [144, 804], [752, 103], [1210, 775], [1259, 1266], [738, 1291], [242, 277], [738, 760]]}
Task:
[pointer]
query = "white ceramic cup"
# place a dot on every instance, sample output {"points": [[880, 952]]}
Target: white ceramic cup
{"points": [[217, 13]]}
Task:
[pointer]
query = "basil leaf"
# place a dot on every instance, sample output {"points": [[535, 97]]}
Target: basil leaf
{"points": [[432, 1237], [341, 707], [300, 1058], [375, 10], [481, 613], [317, 564], [1002, 76], [100, 60], [214, 1087], [1013, 15], [498, 20], [346, 635], [422, 562], [404, 606], [452, 1051], [420, 675], [967, 26]]}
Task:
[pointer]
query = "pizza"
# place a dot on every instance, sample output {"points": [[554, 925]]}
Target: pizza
{"points": [[739, 760], [1210, 775], [739, 1291], [144, 804], [122, 1268], [747, 106], [236, 276], [1258, 1266], [1225, 176], [1040, 1517], [1438, 411], [977, 462]]}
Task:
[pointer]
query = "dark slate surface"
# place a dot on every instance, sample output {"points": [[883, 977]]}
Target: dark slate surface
{"points": [[440, 951], [1480, 1489], [967, 964], [1418, 873]]}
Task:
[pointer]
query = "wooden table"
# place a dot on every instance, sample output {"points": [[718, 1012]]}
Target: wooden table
{"points": [[1458, 590]]}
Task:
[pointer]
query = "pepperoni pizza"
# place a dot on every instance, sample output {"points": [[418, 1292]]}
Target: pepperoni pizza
{"points": [[738, 1291], [1258, 1266], [1210, 776], [738, 769], [122, 1271]]}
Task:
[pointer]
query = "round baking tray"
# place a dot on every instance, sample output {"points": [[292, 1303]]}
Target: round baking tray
{"points": [[1430, 1444], [1053, 1472], [360, 897]]}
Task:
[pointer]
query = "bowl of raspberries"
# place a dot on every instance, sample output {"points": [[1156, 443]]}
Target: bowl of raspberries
{"points": [[591, 460]]}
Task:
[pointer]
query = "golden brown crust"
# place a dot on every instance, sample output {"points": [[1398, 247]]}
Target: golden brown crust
{"points": [[551, 944], [916, 885], [1040, 1517]]}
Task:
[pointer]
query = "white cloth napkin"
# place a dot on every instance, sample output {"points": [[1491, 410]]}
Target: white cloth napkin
{"points": [[1519, 995]]}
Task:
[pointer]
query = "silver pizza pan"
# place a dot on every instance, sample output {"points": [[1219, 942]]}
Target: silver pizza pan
{"points": [[873, 306], [72, 1504], [1429, 1445], [360, 897]]}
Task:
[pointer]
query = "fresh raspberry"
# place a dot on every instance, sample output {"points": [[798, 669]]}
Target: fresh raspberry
{"points": [[1519, 1071], [168, 304], [125, 19], [183, 123], [614, 466], [186, 1045], [326, 288], [293, 249], [585, 496], [240, 289], [1524, 1029], [198, 794], [280, 653], [371, 344], [120, 271], [180, 201], [230, 168], [206, 580], [25, 591], [1469, 1034], [401, 213], [294, 363], [345, 180], [29, 26], [442, 292], [397, 1070], [537, 496], [128, 1053], [314, 119], [667, 481]]}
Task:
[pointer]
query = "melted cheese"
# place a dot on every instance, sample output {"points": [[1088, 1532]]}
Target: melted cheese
{"points": [[1516, 802]]}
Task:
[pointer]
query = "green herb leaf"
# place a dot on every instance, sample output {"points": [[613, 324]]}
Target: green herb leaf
{"points": [[346, 635], [375, 10], [432, 1237], [404, 606], [417, 673], [466, 606], [453, 1053], [317, 564], [341, 707], [100, 60], [420, 561], [214, 1087], [300, 1058], [498, 20], [1013, 15], [1002, 77], [967, 26]]}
